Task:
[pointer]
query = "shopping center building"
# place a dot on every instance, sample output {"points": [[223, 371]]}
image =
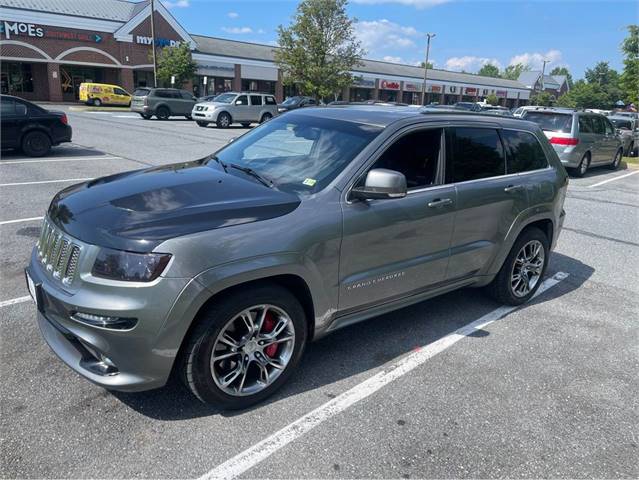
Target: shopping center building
{"points": [[49, 47]]}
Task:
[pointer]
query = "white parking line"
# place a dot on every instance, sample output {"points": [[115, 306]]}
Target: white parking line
{"points": [[13, 301], [127, 116], [613, 179], [19, 220], [242, 462], [61, 159], [45, 181]]}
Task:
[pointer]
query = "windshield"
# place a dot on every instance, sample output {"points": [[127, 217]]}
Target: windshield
{"points": [[225, 98], [299, 153], [621, 123], [291, 101], [555, 122]]}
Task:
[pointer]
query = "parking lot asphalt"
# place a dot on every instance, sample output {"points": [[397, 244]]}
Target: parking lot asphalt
{"points": [[546, 390]]}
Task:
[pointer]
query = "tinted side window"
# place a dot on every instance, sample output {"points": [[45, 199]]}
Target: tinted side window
{"points": [[585, 124], [270, 101], [162, 94], [186, 96], [609, 129], [7, 106], [415, 155], [474, 153], [598, 125], [119, 91], [241, 100], [21, 109], [256, 100], [524, 152]]}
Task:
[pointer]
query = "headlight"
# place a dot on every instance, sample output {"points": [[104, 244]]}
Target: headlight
{"points": [[128, 266]]}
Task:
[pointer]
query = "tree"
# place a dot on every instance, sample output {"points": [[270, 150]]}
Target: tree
{"points": [[492, 99], [585, 95], [318, 50], [629, 80], [512, 72], [602, 75], [563, 71], [422, 64], [176, 61], [489, 70], [542, 98]]}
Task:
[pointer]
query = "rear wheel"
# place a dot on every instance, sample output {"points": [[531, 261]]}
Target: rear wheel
{"points": [[581, 170], [223, 120], [245, 347], [146, 116], [36, 144], [163, 113], [266, 117], [617, 161], [522, 271], [97, 102], [201, 123]]}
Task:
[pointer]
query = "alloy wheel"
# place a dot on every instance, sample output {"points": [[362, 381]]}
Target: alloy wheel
{"points": [[527, 268], [252, 350], [583, 166]]}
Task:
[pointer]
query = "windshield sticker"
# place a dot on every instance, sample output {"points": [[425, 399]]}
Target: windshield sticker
{"points": [[310, 182]]}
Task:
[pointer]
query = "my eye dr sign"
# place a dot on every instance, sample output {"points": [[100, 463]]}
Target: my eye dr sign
{"points": [[18, 28]]}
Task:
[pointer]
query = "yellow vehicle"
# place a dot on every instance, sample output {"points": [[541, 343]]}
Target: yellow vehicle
{"points": [[103, 94]]}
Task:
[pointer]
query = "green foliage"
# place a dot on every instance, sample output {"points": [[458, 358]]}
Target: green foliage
{"points": [[629, 80], [512, 72], [563, 71], [430, 65], [492, 99], [319, 48], [489, 70], [544, 99], [176, 61], [602, 74], [585, 95]]}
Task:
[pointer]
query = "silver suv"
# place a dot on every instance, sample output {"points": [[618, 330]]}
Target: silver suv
{"points": [[223, 269], [581, 139], [628, 130], [162, 102], [228, 108]]}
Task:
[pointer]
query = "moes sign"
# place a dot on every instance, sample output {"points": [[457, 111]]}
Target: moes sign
{"points": [[31, 30], [18, 28]]}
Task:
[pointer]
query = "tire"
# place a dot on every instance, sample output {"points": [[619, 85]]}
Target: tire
{"points": [[162, 113], [188, 117], [223, 120], [97, 102], [581, 170], [36, 144], [617, 161], [246, 125], [146, 116], [201, 123], [502, 288], [632, 150], [266, 117], [206, 383]]}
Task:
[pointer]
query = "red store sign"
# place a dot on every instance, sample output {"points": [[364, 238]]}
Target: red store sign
{"points": [[389, 85], [471, 91]]}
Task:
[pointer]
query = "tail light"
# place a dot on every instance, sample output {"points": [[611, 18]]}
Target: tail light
{"points": [[64, 119], [564, 141]]}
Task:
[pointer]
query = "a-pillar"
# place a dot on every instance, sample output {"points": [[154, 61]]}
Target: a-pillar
{"points": [[55, 85], [237, 79]]}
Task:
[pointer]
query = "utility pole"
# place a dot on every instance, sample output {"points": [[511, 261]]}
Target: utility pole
{"points": [[429, 35], [155, 63], [543, 74]]}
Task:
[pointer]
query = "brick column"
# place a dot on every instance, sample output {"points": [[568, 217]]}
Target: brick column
{"points": [[55, 86], [126, 79], [400, 93], [279, 87], [237, 80], [376, 90], [442, 97]]}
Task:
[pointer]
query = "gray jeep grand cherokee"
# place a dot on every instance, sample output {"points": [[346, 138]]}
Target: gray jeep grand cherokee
{"points": [[222, 269]]}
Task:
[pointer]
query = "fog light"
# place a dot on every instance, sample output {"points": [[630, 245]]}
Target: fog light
{"points": [[114, 323]]}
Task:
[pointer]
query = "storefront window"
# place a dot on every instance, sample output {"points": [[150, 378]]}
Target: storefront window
{"points": [[361, 94], [142, 78], [262, 86], [388, 95], [16, 78]]}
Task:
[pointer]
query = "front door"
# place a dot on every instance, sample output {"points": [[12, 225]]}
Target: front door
{"points": [[488, 200], [240, 109], [398, 247]]}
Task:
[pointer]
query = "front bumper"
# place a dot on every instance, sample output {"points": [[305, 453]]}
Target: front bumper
{"points": [[204, 115], [138, 359]]}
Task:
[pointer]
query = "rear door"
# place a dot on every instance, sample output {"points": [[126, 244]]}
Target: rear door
{"points": [[609, 143], [488, 200], [599, 152], [256, 107]]}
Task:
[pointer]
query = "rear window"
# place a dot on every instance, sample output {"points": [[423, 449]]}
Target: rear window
{"points": [[551, 121], [524, 152], [141, 92]]}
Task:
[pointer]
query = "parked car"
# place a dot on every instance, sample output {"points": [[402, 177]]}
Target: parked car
{"points": [[470, 106], [292, 103], [581, 139], [162, 102], [628, 129], [226, 267], [633, 115], [502, 112], [98, 94], [236, 107], [31, 128]]}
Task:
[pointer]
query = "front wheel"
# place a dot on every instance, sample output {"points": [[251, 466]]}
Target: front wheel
{"points": [[97, 102], [223, 120], [522, 271], [245, 347], [617, 161]]}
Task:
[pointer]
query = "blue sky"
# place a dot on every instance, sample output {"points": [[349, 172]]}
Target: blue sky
{"points": [[570, 33]]}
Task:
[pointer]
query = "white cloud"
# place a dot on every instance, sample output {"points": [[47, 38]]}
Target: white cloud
{"points": [[470, 63], [535, 60], [237, 30], [233, 15], [176, 3], [411, 3], [392, 59], [383, 34]]}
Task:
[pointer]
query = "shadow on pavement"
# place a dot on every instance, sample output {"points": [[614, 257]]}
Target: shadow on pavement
{"points": [[364, 346], [64, 150]]}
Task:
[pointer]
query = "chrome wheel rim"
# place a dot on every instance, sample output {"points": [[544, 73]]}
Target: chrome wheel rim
{"points": [[224, 121], [527, 268], [617, 159], [584, 165], [252, 350]]}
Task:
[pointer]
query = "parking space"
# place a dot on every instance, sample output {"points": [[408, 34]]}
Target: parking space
{"points": [[453, 387]]}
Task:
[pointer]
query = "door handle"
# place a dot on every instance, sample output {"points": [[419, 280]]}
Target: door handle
{"points": [[440, 202], [513, 188]]}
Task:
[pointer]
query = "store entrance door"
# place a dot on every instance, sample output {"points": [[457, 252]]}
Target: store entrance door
{"points": [[72, 76]]}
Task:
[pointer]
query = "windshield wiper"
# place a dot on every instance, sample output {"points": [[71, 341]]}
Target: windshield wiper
{"points": [[222, 164], [249, 171]]}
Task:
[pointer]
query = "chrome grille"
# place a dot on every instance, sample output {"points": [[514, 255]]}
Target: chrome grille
{"points": [[58, 254]]}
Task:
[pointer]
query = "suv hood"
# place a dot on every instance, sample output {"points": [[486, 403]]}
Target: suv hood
{"points": [[136, 211]]}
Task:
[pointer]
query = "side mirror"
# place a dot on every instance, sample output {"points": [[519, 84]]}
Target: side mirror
{"points": [[381, 184]]}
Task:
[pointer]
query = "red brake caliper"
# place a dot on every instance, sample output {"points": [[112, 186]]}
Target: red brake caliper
{"points": [[267, 327]]}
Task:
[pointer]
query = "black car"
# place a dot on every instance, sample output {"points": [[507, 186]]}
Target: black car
{"points": [[292, 103], [31, 128]]}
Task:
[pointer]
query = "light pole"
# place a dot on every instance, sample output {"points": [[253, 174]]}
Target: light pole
{"points": [[429, 35], [155, 63]]}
